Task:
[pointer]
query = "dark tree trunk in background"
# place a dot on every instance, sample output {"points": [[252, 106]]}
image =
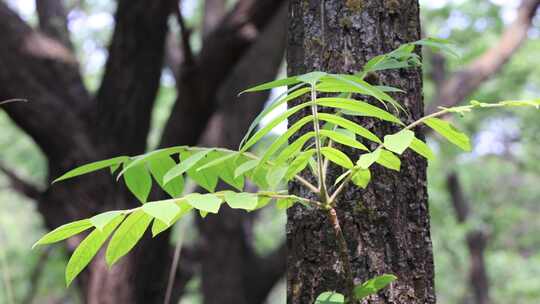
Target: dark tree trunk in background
{"points": [[386, 225], [243, 46]]}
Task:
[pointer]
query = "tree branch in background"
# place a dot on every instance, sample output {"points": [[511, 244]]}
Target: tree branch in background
{"points": [[462, 83], [42, 70], [53, 20], [35, 276], [21, 186], [476, 242], [132, 73], [221, 50], [230, 233], [214, 11]]}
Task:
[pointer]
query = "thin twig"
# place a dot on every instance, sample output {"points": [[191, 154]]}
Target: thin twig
{"points": [[174, 268], [12, 100]]}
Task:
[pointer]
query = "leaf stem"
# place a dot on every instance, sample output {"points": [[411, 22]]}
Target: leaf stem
{"points": [[314, 111], [344, 256]]}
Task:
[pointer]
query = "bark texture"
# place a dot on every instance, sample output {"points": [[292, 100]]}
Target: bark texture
{"points": [[387, 225]]}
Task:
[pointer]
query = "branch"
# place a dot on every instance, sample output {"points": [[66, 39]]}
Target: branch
{"points": [[214, 11], [53, 20], [221, 51], [476, 242], [21, 186], [43, 71], [35, 276], [464, 82], [132, 73]]}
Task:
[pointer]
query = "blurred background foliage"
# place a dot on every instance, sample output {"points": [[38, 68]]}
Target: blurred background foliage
{"points": [[500, 177]]}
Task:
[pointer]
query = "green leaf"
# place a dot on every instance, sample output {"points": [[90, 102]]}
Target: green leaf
{"points": [[164, 211], [226, 173], [330, 297], [208, 178], [389, 160], [185, 165], [362, 87], [312, 77], [422, 148], [399, 142], [159, 166], [361, 178], [343, 139], [271, 125], [87, 249], [273, 84], [291, 94], [299, 164], [438, 44], [337, 157], [103, 219], [284, 203], [204, 202], [282, 139], [349, 125], [275, 175], [139, 182], [358, 107], [92, 167], [258, 176], [217, 161], [63, 232], [366, 160], [127, 236], [294, 147], [448, 131], [373, 286], [243, 200], [145, 158], [245, 167], [158, 226]]}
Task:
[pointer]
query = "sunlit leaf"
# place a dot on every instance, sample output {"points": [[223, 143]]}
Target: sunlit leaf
{"points": [[422, 148], [184, 165], [159, 166], [65, 231], [92, 167], [243, 200], [139, 182], [291, 94], [399, 142], [337, 157], [349, 125], [164, 211], [343, 139], [449, 132], [367, 159], [87, 249], [373, 286], [103, 219], [127, 236], [204, 202], [389, 160], [358, 107], [361, 178], [330, 297]]}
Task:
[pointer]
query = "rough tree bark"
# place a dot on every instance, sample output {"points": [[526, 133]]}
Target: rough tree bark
{"points": [[72, 127], [386, 225]]}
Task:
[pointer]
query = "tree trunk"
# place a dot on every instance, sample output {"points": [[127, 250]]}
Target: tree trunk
{"points": [[386, 226]]}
